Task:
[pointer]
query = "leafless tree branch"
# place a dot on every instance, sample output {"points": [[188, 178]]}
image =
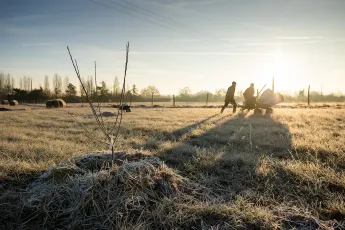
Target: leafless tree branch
{"points": [[115, 129]]}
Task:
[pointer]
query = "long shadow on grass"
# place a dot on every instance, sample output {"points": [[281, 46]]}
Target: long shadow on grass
{"points": [[230, 151], [252, 157], [179, 132]]}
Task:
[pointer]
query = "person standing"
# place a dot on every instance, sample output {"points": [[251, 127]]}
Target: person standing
{"points": [[230, 98]]}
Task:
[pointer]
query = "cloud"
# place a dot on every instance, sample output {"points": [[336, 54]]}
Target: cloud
{"points": [[298, 38], [262, 27], [199, 2], [188, 3], [39, 44], [187, 40], [200, 53], [103, 51], [324, 41], [264, 44]]}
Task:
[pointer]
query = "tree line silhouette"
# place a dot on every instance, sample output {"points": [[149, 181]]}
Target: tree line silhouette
{"points": [[63, 88]]}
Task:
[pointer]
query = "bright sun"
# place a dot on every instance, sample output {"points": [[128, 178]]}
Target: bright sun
{"points": [[281, 70]]}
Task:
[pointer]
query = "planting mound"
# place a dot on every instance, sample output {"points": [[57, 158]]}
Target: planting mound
{"points": [[74, 197]]}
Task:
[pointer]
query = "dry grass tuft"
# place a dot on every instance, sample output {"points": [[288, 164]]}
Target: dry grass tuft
{"points": [[61, 172], [105, 199]]}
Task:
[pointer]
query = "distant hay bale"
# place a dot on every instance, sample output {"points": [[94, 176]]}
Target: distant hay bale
{"points": [[13, 103], [4, 102], [158, 106], [107, 114], [56, 103]]}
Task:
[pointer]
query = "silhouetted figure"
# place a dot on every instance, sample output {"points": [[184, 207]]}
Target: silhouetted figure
{"points": [[249, 93], [230, 98], [249, 98]]}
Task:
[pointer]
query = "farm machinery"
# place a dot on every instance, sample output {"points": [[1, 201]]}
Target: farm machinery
{"points": [[265, 101]]}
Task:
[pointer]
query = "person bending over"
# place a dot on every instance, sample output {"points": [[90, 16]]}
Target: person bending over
{"points": [[249, 96]]}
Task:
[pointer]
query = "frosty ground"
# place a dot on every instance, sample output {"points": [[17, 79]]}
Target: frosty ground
{"points": [[219, 171]]}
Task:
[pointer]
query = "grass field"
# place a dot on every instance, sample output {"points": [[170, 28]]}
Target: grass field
{"points": [[224, 171], [313, 105]]}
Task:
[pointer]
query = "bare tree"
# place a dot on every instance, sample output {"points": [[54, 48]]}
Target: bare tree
{"points": [[81, 91], [27, 83], [116, 86], [46, 85], [13, 84], [149, 91], [185, 91], [110, 133], [24, 83], [57, 85], [2, 83], [7, 84], [89, 86], [128, 88], [134, 90], [220, 92], [65, 83]]}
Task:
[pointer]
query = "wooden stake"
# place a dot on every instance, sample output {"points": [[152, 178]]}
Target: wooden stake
{"points": [[309, 95], [207, 99], [174, 100]]}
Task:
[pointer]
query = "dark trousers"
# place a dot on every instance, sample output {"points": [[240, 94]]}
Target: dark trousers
{"points": [[230, 101]]}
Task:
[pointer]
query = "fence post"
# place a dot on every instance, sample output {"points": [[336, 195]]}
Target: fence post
{"points": [[273, 84], [309, 95], [152, 101], [206, 99], [174, 100]]}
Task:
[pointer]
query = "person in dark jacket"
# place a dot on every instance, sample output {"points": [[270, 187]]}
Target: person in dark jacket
{"points": [[249, 93], [230, 98], [249, 96]]}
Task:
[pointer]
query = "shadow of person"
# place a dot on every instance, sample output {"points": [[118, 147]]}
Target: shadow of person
{"points": [[179, 132], [230, 150], [253, 157], [247, 134]]}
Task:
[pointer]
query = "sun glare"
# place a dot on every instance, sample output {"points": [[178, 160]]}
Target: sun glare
{"points": [[281, 67], [282, 72]]}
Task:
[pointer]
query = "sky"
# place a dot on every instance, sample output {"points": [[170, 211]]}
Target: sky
{"points": [[200, 44]]}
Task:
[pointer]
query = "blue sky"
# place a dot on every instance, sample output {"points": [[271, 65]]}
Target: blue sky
{"points": [[209, 44]]}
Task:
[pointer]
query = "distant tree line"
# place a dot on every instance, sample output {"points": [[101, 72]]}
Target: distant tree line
{"points": [[315, 96], [63, 88]]}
